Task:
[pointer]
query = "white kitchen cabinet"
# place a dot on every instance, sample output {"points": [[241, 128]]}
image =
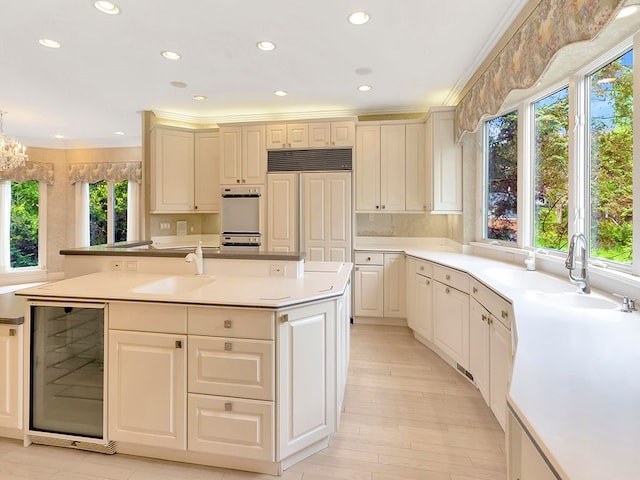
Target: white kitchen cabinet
{"points": [[331, 134], [292, 135], [479, 347], [394, 285], [343, 342], [424, 299], [410, 291], [392, 168], [307, 382], [144, 365], [369, 290], [243, 155], [11, 374], [367, 168], [283, 205], [185, 171], [415, 168], [451, 314], [443, 163]]}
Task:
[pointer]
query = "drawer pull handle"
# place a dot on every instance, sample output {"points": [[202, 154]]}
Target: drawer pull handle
{"points": [[447, 276], [228, 324], [178, 343], [228, 346], [284, 318], [228, 407], [447, 291], [505, 314], [12, 332]]}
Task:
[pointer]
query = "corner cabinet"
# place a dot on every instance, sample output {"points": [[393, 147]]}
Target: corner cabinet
{"points": [[380, 285], [243, 155], [11, 372], [184, 171], [444, 163]]}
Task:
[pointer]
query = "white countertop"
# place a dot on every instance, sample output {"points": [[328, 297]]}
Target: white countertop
{"points": [[243, 291], [575, 384]]}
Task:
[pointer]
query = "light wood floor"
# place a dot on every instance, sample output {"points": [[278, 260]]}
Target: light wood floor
{"points": [[407, 415]]}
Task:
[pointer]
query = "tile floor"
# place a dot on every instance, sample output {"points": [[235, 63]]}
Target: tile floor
{"points": [[407, 415]]}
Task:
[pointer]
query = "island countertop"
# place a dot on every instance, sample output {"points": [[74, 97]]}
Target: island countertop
{"points": [[319, 282]]}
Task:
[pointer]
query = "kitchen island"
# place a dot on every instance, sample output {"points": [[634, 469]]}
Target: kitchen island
{"points": [[239, 371]]}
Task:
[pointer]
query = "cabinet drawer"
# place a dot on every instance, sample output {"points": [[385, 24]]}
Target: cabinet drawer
{"points": [[231, 322], [451, 277], [424, 268], [494, 303], [231, 367], [369, 258], [148, 317], [229, 426]]}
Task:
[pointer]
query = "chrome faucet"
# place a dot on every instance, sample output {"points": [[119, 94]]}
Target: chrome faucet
{"points": [[197, 258], [583, 279]]}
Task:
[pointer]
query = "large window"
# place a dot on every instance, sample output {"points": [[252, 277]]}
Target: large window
{"points": [[108, 212], [501, 137], [611, 160], [551, 171]]}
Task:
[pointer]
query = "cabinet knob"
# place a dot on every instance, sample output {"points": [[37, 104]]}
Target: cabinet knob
{"points": [[178, 343], [377, 207], [228, 407], [383, 207], [244, 180], [484, 317], [505, 314], [284, 318], [195, 207], [475, 290], [447, 291], [228, 346], [237, 180], [368, 259], [447, 276], [428, 282], [12, 332], [228, 324]]}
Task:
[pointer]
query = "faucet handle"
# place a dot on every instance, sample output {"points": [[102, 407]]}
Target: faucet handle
{"points": [[628, 304]]}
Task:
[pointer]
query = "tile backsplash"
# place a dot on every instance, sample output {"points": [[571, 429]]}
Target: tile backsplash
{"points": [[401, 225]]}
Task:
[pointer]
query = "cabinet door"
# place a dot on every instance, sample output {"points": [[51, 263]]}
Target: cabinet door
{"points": [[411, 287], [327, 216], [320, 135], [207, 172], [394, 285], [230, 155], [148, 366], [415, 168], [367, 168], [283, 212], [298, 135], [172, 171], [276, 136], [11, 373], [451, 322], [231, 426], [369, 290], [424, 306], [307, 393], [479, 347], [254, 155], [342, 134], [446, 164], [392, 168], [500, 361]]}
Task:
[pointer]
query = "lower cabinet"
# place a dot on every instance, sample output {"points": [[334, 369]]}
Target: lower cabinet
{"points": [[149, 366], [479, 348], [380, 285], [11, 372], [369, 291], [451, 322]]}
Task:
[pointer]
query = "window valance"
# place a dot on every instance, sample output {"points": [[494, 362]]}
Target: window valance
{"points": [[552, 25], [109, 171], [43, 172]]}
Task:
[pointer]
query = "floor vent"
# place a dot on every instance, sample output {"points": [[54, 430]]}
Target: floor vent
{"points": [[463, 371], [109, 448]]}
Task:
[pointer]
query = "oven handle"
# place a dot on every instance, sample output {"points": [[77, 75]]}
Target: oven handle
{"points": [[240, 195]]}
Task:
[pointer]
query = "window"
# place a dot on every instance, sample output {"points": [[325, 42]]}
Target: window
{"points": [[611, 160], [551, 171], [501, 139], [108, 212], [21, 241]]}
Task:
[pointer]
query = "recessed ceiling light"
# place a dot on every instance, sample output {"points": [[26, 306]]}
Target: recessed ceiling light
{"points": [[47, 42], [200, 98], [58, 136], [359, 18], [365, 88], [119, 133], [281, 93], [266, 45], [169, 55], [626, 11], [178, 84], [107, 7]]}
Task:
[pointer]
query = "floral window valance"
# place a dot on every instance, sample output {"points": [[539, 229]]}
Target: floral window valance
{"points": [[42, 172], [552, 25], [109, 171]]}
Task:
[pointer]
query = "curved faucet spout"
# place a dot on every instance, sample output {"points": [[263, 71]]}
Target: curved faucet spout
{"points": [[578, 241]]}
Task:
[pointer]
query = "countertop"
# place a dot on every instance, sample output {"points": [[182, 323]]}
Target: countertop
{"points": [[320, 281], [12, 306], [574, 385]]}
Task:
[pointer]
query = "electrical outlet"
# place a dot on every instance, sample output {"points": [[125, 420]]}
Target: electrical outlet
{"points": [[276, 270], [131, 265]]}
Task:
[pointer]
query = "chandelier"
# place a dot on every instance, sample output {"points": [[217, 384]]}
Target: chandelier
{"points": [[12, 153]]}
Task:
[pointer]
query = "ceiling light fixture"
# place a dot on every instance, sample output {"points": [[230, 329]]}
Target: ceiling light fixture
{"points": [[358, 18], [281, 93], [178, 84], [626, 11], [47, 42], [200, 98], [119, 133], [266, 45], [169, 55], [107, 7], [12, 153], [365, 88], [58, 136]]}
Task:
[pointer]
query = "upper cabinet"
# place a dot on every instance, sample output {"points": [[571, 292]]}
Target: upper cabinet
{"points": [[444, 164], [311, 135], [243, 155], [388, 158], [184, 171]]}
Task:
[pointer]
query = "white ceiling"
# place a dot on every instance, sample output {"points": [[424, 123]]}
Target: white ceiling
{"points": [[419, 53]]}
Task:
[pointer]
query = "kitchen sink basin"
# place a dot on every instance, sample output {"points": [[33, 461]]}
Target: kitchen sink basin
{"points": [[575, 300], [177, 285], [525, 280]]}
